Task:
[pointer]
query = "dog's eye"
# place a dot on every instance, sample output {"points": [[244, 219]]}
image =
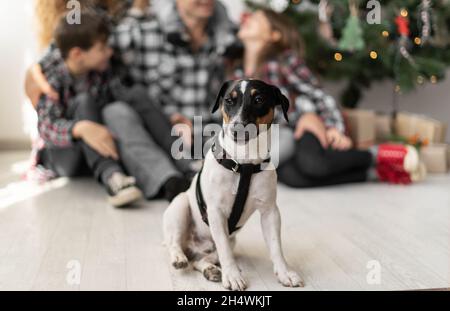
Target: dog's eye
{"points": [[259, 100], [228, 101]]}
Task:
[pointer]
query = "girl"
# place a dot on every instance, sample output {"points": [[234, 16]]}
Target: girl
{"points": [[314, 149]]}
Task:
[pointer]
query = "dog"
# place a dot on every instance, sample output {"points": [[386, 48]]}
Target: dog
{"points": [[200, 225]]}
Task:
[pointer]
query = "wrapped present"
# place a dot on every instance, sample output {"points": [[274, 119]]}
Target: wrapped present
{"points": [[383, 127], [361, 127], [434, 156], [423, 128]]}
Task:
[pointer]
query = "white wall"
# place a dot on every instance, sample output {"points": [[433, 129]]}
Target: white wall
{"points": [[17, 46]]}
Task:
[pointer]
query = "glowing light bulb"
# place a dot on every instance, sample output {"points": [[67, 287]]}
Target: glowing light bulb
{"points": [[338, 56]]}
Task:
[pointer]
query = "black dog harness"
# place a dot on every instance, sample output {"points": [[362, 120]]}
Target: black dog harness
{"points": [[246, 172]]}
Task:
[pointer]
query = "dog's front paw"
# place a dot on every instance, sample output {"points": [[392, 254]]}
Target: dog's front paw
{"points": [[179, 261], [289, 278], [232, 279], [213, 274]]}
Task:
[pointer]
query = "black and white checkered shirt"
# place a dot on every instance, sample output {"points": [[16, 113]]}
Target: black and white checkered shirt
{"points": [[156, 52]]}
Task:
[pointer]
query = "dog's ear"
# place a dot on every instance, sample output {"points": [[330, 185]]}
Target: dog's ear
{"points": [[281, 100], [221, 95]]}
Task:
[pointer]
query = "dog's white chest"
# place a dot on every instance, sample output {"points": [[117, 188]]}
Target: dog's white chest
{"points": [[220, 187]]}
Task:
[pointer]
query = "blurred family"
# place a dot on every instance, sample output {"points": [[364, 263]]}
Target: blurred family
{"points": [[109, 91]]}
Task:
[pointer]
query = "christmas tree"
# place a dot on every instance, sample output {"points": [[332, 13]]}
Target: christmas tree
{"points": [[362, 41]]}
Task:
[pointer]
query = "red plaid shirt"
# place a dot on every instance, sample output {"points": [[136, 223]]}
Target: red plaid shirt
{"points": [[297, 82]]}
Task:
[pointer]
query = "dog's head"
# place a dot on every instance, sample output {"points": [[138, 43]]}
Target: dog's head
{"points": [[247, 105]]}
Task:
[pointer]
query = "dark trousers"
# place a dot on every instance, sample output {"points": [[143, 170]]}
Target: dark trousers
{"points": [[314, 166], [157, 123], [79, 159]]}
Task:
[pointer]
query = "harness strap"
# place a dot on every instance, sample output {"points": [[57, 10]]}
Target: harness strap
{"points": [[246, 172]]}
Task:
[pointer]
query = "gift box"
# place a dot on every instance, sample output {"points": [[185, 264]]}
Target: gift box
{"points": [[383, 127], [435, 158], [361, 127], [423, 128]]}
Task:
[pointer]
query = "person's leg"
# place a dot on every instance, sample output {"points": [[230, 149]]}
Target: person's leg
{"points": [[102, 168], [65, 162], [121, 188], [289, 175], [142, 157], [155, 121], [282, 147], [313, 161]]}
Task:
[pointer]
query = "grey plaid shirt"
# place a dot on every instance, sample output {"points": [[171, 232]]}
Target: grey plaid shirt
{"points": [[157, 53]]}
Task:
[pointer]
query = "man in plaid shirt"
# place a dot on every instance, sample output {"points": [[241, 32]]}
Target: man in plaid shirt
{"points": [[178, 54]]}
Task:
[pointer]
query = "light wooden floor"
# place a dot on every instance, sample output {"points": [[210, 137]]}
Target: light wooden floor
{"points": [[330, 235]]}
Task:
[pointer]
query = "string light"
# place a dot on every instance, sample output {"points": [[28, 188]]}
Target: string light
{"points": [[433, 79], [373, 55], [338, 56], [417, 41], [404, 12], [385, 33]]}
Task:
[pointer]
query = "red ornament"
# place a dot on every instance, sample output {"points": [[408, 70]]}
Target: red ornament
{"points": [[402, 25]]}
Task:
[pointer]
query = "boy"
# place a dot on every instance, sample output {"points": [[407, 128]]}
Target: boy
{"points": [[70, 124]]}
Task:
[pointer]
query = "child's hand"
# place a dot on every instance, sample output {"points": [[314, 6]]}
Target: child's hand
{"points": [[311, 122], [98, 137], [338, 140]]}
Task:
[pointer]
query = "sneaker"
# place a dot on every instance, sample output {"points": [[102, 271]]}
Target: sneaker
{"points": [[399, 164], [122, 190], [174, 186]]}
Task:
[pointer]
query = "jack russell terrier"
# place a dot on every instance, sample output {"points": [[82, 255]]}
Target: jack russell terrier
{"points": [[200, 225]]}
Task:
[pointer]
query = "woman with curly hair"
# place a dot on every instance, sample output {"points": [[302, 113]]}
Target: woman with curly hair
{"points": [[48, 13]]}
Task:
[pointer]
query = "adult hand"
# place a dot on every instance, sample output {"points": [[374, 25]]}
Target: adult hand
{"points": [[184, 127], [338, 140], [98, 137], [36, 84], [178, 118], [311, 122], [141, 4]]}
